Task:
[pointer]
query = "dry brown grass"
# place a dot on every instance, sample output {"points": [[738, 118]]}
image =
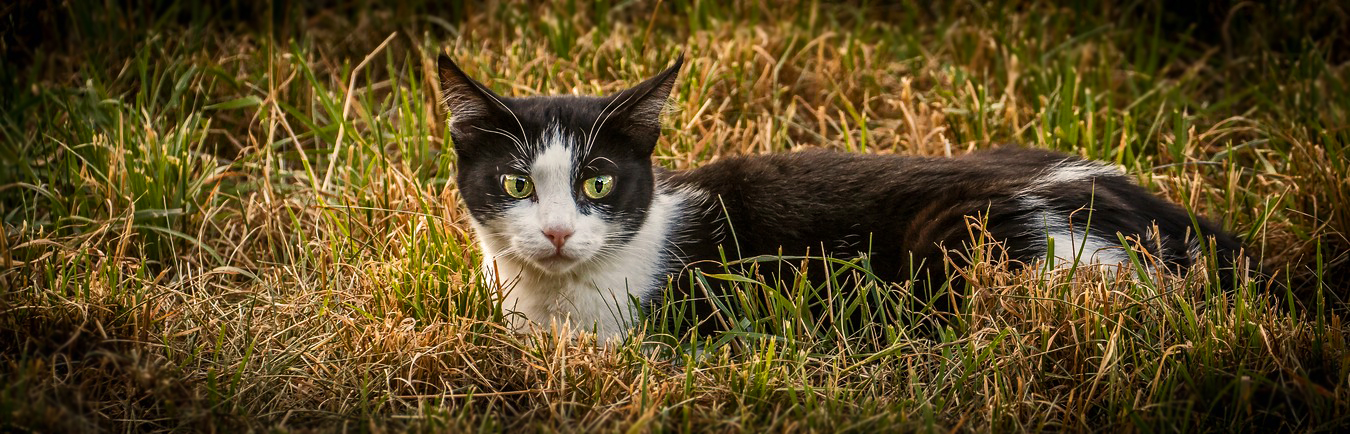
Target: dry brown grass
{"points": [[177, 256]]}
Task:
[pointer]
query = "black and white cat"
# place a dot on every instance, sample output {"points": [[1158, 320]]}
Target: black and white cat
{"points": [[574, 221]]}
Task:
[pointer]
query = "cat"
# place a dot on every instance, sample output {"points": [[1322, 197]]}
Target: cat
{"points": [[577, 227]]}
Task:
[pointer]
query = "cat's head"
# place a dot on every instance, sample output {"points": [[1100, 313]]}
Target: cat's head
{"points": [[555, 182]]}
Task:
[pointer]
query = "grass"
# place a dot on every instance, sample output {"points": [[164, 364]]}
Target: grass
{"points": [[224, 217]]}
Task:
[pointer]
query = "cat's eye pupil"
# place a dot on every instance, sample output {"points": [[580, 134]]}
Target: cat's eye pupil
{"points": [[598, 187], [517, 186]]}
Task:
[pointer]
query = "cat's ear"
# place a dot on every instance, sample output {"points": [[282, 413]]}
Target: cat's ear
{"points": [[470, 103], [641, 106]]}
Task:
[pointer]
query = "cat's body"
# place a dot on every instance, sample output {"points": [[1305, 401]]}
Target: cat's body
{"points": [[576, 224]]}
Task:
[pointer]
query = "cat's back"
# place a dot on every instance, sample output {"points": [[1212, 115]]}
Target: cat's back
{"points": [[805, 198], [826, 175]]}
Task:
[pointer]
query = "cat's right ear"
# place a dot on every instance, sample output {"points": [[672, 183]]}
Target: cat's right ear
{"points": [[470, 103]]}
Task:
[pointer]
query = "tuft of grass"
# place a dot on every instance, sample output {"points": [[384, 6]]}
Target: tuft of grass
{"points": [[241, 217]]}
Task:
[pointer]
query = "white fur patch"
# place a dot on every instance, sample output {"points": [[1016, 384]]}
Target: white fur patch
{"points": [[1069, 171], [1089, 249], [1071, 244]]}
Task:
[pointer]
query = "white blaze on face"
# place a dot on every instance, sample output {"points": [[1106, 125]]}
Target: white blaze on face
{"points": [[552, 172], [554, 211]]}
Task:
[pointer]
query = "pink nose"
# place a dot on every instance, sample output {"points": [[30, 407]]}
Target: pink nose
{"points": [[558, 236]]}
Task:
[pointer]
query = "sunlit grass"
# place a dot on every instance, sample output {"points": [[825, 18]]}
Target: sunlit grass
{"points": [[235, 218]]}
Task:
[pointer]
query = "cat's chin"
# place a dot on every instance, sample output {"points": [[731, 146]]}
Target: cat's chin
{"points": [[555, 264]]}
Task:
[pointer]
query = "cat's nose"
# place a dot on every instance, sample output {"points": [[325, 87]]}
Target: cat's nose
{"points": [[558, 236]]}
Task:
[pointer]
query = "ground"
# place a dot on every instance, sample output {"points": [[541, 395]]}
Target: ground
{"points": [[239, 217]]}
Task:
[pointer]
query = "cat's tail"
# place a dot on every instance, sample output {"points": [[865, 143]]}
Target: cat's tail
{"points": [[1204, 243]]}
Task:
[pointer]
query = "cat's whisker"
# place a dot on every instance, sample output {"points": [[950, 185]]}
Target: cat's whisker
{"points": [[606, 120], [521, 146], [501, 132], [499, 102], [592, 162], [594, 131]]}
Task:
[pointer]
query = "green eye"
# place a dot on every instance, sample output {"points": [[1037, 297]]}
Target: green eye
{"points": [[517, 186], [598, 187]]}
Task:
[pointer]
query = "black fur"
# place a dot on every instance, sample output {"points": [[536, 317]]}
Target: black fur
{"points": [[909, 214], [803, 200]]}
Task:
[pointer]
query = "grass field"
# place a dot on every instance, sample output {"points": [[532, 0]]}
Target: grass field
{"points": [[228, 218]]}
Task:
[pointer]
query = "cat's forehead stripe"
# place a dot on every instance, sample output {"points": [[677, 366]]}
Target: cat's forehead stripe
{"points": [[556, 150], [550, 138], [554, 169], [555, 159]]}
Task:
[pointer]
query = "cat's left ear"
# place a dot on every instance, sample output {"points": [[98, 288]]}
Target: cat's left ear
{"points": [[641, 106], [471, 104]]}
